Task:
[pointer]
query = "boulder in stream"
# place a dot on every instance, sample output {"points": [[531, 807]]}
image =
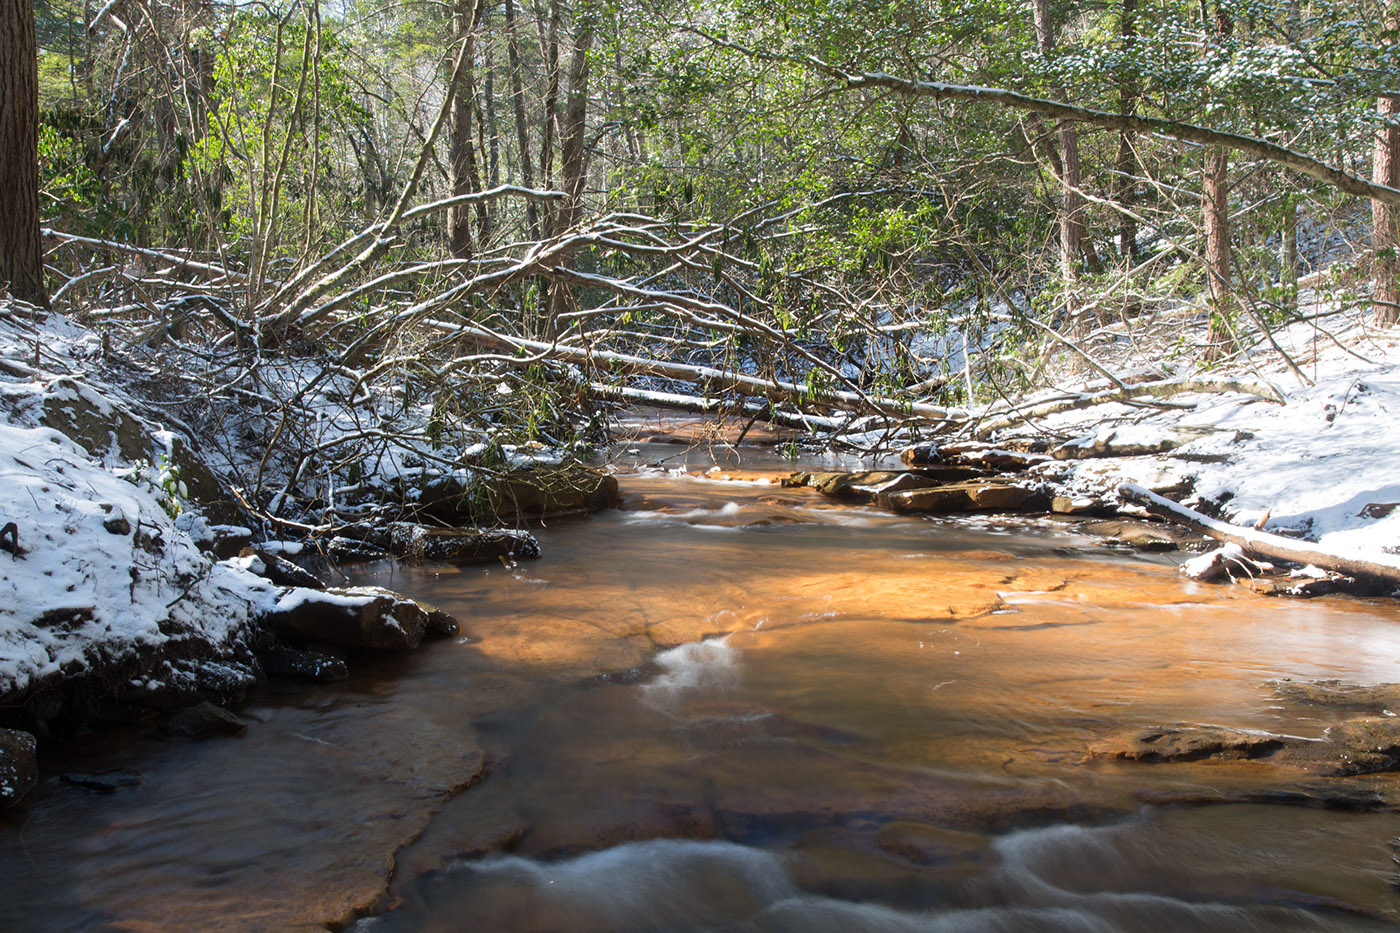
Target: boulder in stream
{"points": [[460, 545], [1187, 743], [203, 721], [990, 495], [1376, 699], [356, 617], [19, 765]]}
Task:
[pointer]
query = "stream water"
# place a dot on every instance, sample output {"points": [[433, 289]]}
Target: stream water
{"points": [[734, 706]]}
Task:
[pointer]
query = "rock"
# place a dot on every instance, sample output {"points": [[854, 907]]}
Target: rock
{"points": [[460, 545], [1127, 442], [965, 497], [1378, 509], [202, 721], [350, 551], [1079, 505], [919, 454], [553, 490], [859, 486], [1334, 694], [1357, 746], [277, 569], [95, 422], [939, 499], [19, 765], [1145, 536], [357, 617], [441, 623], [1187, 743], [104, 782], [230, 540], [279, 659]]}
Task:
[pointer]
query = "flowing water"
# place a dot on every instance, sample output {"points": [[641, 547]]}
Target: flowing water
{"points": [[734, 706]]}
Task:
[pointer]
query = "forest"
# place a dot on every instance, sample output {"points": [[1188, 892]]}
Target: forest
{"points": [[845, 216]]}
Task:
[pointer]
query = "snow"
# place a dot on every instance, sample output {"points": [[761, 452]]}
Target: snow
{"points": [[1322, 465]]}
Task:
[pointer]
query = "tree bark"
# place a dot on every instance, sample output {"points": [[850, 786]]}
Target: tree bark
{"points": [[1385, 218], [517, 95], [461, 159], [573, 155], [1125, 183], [1071, 203], [21, 250], [1215, 206], [1215, 210]]}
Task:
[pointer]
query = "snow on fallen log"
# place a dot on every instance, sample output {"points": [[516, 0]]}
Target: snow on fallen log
{"points": [[1385, 567], [1218, 562]]}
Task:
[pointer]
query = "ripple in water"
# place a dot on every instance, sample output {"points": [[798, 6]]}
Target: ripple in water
{"points": [[684, 885], [696, 665]]}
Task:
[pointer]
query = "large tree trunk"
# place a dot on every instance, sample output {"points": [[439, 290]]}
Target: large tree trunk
{"points": [[1385, 218], [573, 154], [1072, 203], [461, 150], [1215, 206], [1215, 210], [21, 253], [522, 133], [1125, 183]]}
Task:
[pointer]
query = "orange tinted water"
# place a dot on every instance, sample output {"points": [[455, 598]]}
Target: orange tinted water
{"points": [[730, 705]]}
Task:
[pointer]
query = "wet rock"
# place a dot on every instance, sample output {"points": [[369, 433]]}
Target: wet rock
{"points": [[357, 617], [351, 551], [460, 545], [1187, 743], [1145, 536], [1357, 746], [279, 659], [19, 765], [103, 782], [934, 846], [545, 491], [441, 623], [966, 497], [277, 569], [203, 721], [1335, 694]]}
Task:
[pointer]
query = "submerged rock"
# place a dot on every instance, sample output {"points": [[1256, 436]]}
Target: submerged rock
{"points": [[356, 617], [103, 782], [19, 765], [1334, 694], [1145, 536], [1187, 743], [203, 721], [282, 660]]}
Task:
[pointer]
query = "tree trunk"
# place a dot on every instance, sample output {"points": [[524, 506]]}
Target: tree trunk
{"points": [[1125, 183], [1385, 218], [1072, 203], [549, 54], [1288, 253], [1215, 209], [522, 134], [1215, 206], [461, 150], [21, 252], [573, 155]]}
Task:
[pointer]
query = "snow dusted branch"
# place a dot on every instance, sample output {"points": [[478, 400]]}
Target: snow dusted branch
{"points": [[1378, 567]]}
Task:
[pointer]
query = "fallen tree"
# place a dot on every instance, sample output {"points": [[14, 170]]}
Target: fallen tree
{"points": [[1372, 568]]}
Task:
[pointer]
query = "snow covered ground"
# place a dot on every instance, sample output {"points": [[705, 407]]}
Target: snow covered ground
{"points": [[1325, 464]]}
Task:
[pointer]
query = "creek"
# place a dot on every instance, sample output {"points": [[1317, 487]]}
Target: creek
{"points": [[731, 705]]}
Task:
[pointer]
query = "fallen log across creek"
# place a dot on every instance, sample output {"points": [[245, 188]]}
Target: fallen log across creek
{"points": [[1375, 567]]}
